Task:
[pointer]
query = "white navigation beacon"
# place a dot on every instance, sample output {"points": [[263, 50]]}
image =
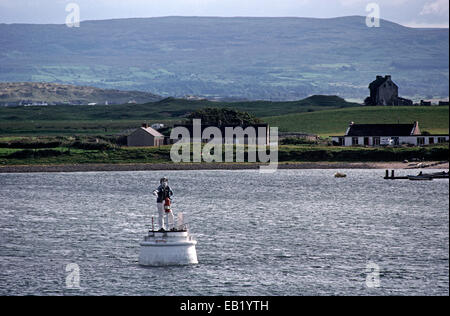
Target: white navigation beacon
{"points": [[168, 247]]}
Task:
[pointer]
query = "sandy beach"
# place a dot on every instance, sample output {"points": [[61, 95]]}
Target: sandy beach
{"points": [[220, 166]]}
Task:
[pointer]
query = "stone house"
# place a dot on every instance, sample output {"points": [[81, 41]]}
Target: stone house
{"points": [[383, 91]]}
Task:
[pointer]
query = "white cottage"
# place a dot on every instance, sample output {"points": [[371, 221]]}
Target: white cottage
{"points": [[385, 135], [145, 136]]}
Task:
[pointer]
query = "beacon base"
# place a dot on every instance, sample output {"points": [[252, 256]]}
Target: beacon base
{"points": [[164, 248]]}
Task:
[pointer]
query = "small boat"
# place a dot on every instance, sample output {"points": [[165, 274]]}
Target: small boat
{"points": [[340, 175], [439, 175], [419, 178], [429, 176]]}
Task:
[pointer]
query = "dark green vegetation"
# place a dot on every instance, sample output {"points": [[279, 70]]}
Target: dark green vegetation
{"points": [[16, 93], [254, 58], [69, 120], [360, 154], [301, 141], [223, 116], [68, 150]]}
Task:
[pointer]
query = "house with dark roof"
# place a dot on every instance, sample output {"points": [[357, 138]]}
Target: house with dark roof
{"points": [[386, 135], [383, 91], [145, 136]]}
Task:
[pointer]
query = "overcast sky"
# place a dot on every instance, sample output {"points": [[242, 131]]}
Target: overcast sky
{"points": [[415, 13]]}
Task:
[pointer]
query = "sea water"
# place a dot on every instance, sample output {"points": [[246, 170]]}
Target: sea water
{"points": [[293, 232]]}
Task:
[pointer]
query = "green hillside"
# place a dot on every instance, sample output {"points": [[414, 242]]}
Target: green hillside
{"points": [[334, 122], [252, 58]]}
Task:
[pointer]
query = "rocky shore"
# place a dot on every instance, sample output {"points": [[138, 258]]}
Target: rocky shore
{"points": [[218, 166]]}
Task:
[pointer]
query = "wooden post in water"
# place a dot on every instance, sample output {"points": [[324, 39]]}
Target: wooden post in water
{"points": [[387, 174], [392, 174]]}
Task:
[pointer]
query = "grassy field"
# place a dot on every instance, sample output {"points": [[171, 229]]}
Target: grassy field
{"points": [[335, 122], [96, 120], [168, 108], [320, 115], [72, 127]]}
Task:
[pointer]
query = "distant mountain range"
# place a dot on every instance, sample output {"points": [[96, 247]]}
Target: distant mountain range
{"points": [[251, 58], [31, 93]]}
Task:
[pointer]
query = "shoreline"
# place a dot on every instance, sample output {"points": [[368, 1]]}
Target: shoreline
{"points": [[218, 166]]}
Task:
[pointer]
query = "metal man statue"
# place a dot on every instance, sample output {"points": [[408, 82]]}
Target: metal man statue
{"points": [[161, 193]]}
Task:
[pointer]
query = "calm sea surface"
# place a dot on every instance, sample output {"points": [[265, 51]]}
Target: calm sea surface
{"points": [[294, 232]]}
